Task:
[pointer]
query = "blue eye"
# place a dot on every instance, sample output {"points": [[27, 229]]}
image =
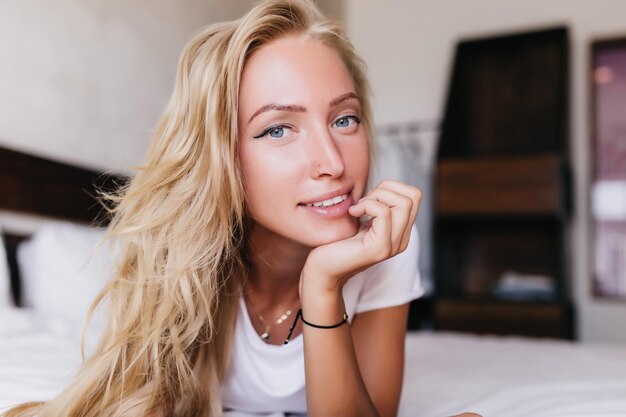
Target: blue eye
{"points": [[345, 121], [277, 132]]}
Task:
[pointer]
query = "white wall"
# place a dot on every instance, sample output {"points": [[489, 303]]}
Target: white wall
{"points": [[409, 44], [85, 81]]}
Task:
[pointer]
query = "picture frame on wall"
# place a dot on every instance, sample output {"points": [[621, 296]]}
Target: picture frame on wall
{"points": [[608, 186]]}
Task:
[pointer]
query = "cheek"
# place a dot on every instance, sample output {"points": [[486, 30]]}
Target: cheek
{"points": [[255, 175], [264, 174], [358, 160]]}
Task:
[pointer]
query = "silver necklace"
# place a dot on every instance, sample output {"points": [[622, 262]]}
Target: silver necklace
{"points": [[281, 319]]}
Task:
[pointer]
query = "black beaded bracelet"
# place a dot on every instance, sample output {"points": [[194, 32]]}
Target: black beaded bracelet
{"points": [[299, 315]]}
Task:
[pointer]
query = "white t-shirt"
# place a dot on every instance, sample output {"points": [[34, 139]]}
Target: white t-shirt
{"points": [[265, 379]]}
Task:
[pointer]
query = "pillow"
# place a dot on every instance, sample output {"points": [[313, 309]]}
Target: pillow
{"points": [[59, 279], [6, 299]]}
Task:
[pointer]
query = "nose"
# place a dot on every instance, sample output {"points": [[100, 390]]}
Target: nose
{"points": [[327, 159]]}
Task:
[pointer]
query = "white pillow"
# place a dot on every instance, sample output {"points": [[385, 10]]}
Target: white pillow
{"points": [[6, 299], [59, 280]]}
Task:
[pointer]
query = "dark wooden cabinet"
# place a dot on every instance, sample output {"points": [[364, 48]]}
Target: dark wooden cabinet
{"points": [[503, 189], [496, 186], [491, 316]]}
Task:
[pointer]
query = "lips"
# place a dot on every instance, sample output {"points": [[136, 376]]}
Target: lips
{"points": [[332, 194], [335, 211]]}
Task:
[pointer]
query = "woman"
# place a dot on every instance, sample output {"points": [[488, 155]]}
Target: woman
{"points": [[244, 220]]}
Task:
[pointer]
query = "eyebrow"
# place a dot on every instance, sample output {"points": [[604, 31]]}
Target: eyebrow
{"points": [[300, 109]]}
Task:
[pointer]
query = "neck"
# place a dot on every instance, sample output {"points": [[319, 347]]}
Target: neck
{"points": [[277, 262]]}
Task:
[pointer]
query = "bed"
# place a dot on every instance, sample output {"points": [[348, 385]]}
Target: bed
{"points": [[445, 372]]}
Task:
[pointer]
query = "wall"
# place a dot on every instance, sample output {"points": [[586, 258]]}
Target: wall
{"points": [[85, 82], [409, 44]]}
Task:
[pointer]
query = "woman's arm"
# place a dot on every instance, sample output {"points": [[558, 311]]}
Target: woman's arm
{"points": [[359, 368], [334, 386], [379, 337]]}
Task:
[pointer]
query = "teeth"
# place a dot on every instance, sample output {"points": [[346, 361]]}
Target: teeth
{"points": [[329, 202]]}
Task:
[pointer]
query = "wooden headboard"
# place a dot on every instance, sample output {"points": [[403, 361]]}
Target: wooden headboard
{"points": [[38, 186]]}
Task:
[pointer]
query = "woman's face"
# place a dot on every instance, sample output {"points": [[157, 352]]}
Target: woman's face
{"points": [[301, 140]]}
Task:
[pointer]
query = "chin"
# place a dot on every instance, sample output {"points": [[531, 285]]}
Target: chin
{"points": [[320, 235]]}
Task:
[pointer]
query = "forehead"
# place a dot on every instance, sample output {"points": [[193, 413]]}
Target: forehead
{"points": [[293, 70]]}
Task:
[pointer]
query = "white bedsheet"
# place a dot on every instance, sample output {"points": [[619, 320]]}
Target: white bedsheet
{"points": [[445, 373], [37, 357], [448, 373]]}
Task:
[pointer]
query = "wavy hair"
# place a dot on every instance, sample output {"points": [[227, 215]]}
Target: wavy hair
{"points": [[181, 225]]}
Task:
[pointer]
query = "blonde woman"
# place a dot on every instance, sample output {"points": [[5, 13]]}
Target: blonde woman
{"points": [[257, 275]]}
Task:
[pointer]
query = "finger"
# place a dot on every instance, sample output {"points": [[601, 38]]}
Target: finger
{"points": [[414, 193], [400, 206], [380, 232], [410, 191]]}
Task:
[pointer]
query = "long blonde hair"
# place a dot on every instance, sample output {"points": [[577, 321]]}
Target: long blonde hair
{"points": [[181, 226]]}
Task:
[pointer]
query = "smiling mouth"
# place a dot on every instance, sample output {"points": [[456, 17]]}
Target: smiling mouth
{"points": [[327, 203], [330, 211]]}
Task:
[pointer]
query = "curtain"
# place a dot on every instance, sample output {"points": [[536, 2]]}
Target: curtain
{"points": [[407, 153]]}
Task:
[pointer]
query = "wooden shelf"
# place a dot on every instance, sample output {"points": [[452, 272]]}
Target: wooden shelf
{"points": [[508, 95], [473, 254], [503, 188], [531, 185], [505, 317]]}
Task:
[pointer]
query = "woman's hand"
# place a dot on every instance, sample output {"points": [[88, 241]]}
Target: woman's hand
{"points": [[393, 207]]}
